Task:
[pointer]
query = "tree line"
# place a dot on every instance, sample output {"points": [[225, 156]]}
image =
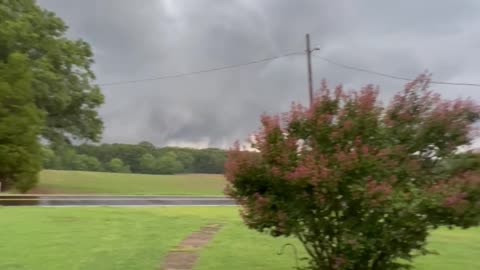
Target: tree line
{"points": [[135, 158]]}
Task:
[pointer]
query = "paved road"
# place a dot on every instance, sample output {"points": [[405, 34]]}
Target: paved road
{"points": [[111, 200]]}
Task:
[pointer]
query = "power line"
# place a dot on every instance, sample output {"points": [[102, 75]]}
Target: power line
{"points": [[201, 71], [364, 70], [391, 76]]}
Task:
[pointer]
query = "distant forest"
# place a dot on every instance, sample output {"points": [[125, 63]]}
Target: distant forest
{"points": [[135, 158]]}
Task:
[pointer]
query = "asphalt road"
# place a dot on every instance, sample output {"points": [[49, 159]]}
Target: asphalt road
{"points": [[111, 200]]}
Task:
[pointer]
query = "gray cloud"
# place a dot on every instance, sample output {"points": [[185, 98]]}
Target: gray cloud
{"points": [[138, 39]]}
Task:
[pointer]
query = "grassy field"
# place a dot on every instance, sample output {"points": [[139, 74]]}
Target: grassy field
{"points": [[118, 238], [76, 182]]}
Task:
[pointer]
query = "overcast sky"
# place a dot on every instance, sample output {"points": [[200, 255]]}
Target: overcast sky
{"points": [[141, 39]]}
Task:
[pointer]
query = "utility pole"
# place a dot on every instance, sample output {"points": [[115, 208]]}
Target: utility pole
{"points": [[308, 52]]}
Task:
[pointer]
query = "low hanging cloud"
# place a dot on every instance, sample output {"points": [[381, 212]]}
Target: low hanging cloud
{"points": [[141, 39]]}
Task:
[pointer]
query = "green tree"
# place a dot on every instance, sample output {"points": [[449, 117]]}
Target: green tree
{"points": [[48, 157], [51, 159], [186, 158], [85, 163], [209, 161], [168, 164], [129, 154], [357, 183], [148, 146], [139, 157], [67, 158], [79, 163], [60, 69], [462, 162], [20, 125], [116, 165], [93, 164], [148, 163]]}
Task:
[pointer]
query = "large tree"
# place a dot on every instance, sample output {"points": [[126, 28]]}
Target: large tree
{"points": [[60, 68], [20, 125], [359, 184]]}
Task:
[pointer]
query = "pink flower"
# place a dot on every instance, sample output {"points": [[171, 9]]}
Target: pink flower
{"points": [[367, 98], [365, 150], [300, 172], [378, 190], [454, 199], [384, 152]]}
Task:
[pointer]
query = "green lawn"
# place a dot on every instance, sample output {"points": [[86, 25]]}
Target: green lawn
{"points": [[76, 182], [131, 238], [237, 248], [459, 249]]}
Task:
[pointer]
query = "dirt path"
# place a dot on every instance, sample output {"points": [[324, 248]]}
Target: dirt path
{"points": [[184, 256]]}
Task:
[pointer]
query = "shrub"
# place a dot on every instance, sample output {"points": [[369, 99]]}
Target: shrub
{"points": [[358, 183]]}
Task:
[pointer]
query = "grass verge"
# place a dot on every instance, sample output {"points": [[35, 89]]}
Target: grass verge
{"points": [[77, 182]]}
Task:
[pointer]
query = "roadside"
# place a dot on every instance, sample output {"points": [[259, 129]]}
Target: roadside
{"points": [[113, 200]]}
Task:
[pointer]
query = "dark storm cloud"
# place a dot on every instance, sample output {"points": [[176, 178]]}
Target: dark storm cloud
{"points": [[137, 39]]}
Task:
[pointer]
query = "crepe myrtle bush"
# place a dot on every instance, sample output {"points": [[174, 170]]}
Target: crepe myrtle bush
{"points": [[359, 184]]}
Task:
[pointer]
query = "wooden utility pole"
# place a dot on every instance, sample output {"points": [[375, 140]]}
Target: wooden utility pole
{"points": [[308, 52]]}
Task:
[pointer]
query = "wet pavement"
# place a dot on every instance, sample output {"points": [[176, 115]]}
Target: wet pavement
{"points": [[112, 200]]}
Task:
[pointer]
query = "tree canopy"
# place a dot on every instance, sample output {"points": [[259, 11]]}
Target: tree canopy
{"points": [[358, 183], [117, 165], [20, 124], [46, 91], [61, 75]]}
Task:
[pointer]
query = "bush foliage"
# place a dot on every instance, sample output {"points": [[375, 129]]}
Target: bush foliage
{"points": [[358, 183]]}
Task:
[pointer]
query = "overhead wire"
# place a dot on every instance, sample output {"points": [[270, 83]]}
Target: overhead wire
{"points": [[327, 60], [178, 75], [364, 70]]}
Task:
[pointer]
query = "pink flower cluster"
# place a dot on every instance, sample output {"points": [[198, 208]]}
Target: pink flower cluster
{"points": [[367, 100], [237, 160], [377, 192], [453, 193]]}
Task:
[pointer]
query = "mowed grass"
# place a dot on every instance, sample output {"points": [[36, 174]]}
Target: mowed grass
{"points": [[119, 238], [90, 238], [77, 182], [237, 248], [458, 249], [116, 238]]}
